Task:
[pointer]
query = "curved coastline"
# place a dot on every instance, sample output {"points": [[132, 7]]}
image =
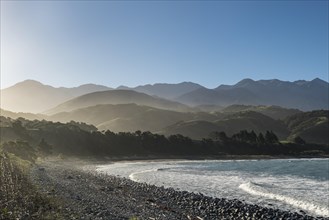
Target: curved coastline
{"points": [[97, 196], [138, 172]]}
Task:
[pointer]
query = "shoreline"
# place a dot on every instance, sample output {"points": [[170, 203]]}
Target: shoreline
{"points": [[94, 160], [99, 196]]}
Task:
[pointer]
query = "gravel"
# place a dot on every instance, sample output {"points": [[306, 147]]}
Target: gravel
{"points": [[85, 194]]}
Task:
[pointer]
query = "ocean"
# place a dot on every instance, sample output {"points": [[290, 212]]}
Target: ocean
{"points": [[288, 184]]}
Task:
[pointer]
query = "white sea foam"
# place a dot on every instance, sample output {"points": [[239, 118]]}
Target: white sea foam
{"points": [[133, 176], [256, 190], [294, 185]]}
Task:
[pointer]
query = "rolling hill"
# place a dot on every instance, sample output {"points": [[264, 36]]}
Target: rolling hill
{"points": [[275, 112], [165, 90], [197, 125], [122, 117], [15, 115], [117, 97], [310, 126], [34, 97], [128, 117], [247, 120]]}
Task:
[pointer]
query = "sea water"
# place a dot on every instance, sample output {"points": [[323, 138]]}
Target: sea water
{"points": [[287, 184]]}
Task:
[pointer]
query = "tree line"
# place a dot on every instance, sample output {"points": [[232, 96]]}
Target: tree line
{"points": [[82, 140]]}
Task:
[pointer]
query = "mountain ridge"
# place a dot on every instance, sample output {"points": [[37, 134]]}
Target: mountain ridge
{"points": [[117, 97], [301, 94], [165, 90], [35, 97]]}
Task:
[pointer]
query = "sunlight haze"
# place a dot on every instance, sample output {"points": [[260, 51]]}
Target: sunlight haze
{"points": [[68, 43]]}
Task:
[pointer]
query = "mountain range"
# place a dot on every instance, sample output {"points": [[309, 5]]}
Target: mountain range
{"points": [[35, 97], [185, 108], [165, 90], [303, 95]]}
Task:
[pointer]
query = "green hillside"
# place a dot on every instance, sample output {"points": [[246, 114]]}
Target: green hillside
{"points": [[275, 112], [15, 115], [195, 129], [311, 126], [233, 123], [129, 117], [115, 97], [73, 139]]}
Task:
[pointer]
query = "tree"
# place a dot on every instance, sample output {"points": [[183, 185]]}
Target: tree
{"points": [[260, 138], [299, 140], [219, 136], [271, 138], [18, 127], [44, 147], [207, 142], [138, 133], [252, 137], [21, 149], [109, 134]]}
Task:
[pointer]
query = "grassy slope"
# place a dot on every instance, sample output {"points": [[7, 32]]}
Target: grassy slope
{"points": [[275, 112], [131, 117], [19, 197], [311, 126], [231, 124]]}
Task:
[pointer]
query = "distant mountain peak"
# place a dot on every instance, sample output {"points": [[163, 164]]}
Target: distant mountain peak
{"points": [[165, 90], [318, 80], [91, 85], [247, 80], [29, 82], [123, 87]]}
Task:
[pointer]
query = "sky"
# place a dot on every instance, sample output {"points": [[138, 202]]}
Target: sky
{"points": [[113, 43]]}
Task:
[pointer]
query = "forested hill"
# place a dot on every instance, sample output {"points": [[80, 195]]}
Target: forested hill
{"points": [[79, 139], [313, 126]]}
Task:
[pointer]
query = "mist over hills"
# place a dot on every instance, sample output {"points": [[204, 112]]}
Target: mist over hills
{"points": [[232, 123], [251, 105], [275, 112], [286, 123], [35, 97], [165, 90], [128, 117], [15, 115], [117, 97], [301, 94]]}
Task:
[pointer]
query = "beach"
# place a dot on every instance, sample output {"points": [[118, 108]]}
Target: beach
{"points": [[86, 194]]}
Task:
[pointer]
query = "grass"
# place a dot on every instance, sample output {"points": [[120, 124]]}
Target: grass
{"points": [[19, 197]]}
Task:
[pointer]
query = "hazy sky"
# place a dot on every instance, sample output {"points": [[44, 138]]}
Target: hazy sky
{"points": [[68, 43]]}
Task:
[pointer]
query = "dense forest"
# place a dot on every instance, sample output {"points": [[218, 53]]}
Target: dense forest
{"points": [[26, 137]]}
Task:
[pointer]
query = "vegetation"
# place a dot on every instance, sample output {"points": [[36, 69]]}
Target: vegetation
{"points": [[275, 112], [23, 141], [73, 139], [19, 198], [310, 126]]}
